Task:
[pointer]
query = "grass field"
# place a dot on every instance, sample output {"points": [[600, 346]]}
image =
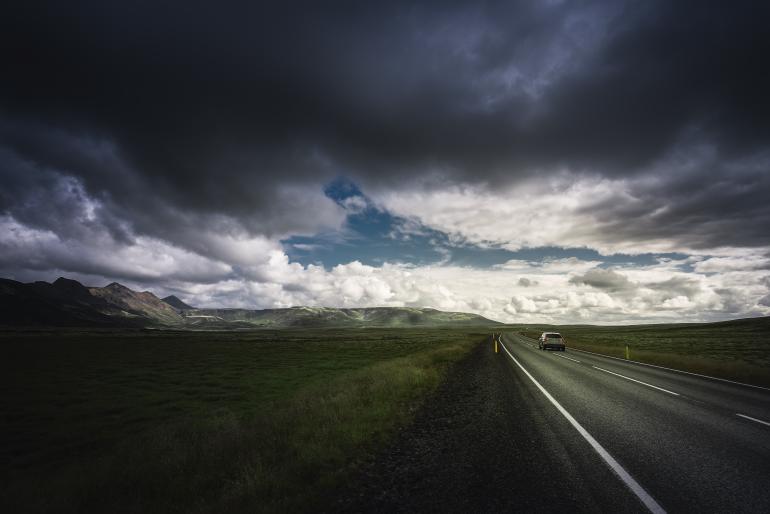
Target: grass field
{"points": [[737, 350], [262, 421]]}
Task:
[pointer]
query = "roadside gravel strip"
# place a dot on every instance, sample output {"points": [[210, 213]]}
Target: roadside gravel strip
{"points": [[486, 441]]}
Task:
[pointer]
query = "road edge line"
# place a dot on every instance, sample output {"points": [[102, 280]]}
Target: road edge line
{"points": [[627, 479], [752, 419], [637, 381]]}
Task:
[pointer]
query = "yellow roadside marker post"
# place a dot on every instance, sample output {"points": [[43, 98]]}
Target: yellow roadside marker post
{"points": [[493, 337], [627, 352]]}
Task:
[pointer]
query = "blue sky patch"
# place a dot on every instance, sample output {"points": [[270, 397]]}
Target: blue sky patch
{"points": [[373, 236]]}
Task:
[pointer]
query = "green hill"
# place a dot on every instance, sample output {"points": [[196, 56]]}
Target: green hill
{"points": [[310, 317]]}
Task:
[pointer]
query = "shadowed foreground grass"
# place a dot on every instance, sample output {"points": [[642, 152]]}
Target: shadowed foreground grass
{"points": [[281, 456], [735, 350]]}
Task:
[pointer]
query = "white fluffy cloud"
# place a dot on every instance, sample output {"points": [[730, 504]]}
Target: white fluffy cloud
{"points": [[657, 293], [611, 215], [217, 262], [144, 259], [529, 214], [256, 273], [743, 261]]}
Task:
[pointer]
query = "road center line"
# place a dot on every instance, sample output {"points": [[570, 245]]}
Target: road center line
{"points": [[635, 380], [632, 484], [521, 342], [568, 358], [753, 419]]}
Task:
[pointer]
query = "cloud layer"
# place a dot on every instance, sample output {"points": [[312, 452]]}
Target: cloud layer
{"points": [[177, 145]]}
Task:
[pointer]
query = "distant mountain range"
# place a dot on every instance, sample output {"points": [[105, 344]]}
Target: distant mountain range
{"points": [[329, 317], [68, 303]]}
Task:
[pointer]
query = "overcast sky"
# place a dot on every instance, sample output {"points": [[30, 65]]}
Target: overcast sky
{"points": [[530, 161]]}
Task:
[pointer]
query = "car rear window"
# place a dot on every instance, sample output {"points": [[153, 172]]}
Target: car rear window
{"points": [[553, 336]]}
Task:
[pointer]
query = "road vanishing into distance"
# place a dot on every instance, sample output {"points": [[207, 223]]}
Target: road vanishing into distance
{"points": [[677, 442], [526, 430]]}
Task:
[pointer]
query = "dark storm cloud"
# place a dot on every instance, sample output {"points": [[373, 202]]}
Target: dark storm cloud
{"points": [[677, 286], [604, 279], [709, 205], [173, 113]]}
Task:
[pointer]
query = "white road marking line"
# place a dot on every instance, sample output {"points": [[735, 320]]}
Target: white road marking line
{"points": [[674, 369], [753, 419], [635, 380], [568, 358], [632, 484]]}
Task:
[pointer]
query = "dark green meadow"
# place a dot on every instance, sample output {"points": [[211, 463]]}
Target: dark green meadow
{"points": [[737, 350], [161, 421]]}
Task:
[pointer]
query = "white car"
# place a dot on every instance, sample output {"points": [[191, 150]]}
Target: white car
{"points": [[551, 341]]}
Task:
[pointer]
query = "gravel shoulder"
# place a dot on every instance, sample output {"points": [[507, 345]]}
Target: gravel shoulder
{"points": [[485, 441]]}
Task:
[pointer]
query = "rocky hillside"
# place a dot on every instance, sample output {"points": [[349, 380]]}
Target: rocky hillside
{"points": [[144, 304]]}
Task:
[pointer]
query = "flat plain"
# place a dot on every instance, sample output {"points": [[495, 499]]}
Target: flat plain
{"points": [[165, 421], [261, 420]]}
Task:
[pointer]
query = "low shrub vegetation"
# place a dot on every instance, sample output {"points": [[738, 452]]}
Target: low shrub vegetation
{"points": [[321, 402]]}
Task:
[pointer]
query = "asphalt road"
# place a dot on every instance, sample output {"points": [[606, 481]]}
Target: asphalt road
{"points": [[684, 442], [490, 440]]}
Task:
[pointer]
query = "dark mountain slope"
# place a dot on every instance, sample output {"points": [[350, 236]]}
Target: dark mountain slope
{"points": [[63, 303], [177, 303]]}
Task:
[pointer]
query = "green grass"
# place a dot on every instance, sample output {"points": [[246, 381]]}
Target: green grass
{"points": [[263, 421], [736, 350]]}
